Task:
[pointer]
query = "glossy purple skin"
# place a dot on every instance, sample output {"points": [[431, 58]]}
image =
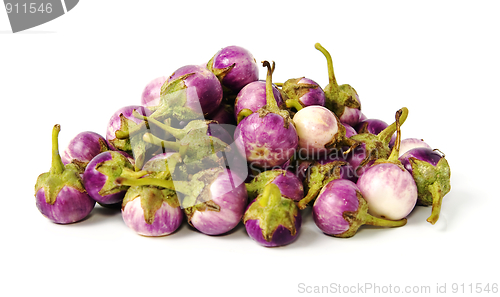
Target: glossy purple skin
{"points": [[350, 116], [203, 88], [115, 124], [83, 147], [314, 96], [375, 126], [230, 193], [290, 186], [151, 93], [70, 206], [253, 97], [349, 130], [282, 236], [265, 141], [167, 219], [93, 180], [334, 199], [420, 153], [245, 70], [411, 143]]}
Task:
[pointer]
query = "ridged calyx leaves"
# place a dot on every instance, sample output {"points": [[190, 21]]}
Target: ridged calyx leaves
{"points": [[271, 210], [337, 97], [293, 91], [257, 185], [433, 183], [152, 198], [319, 176], [117, 166], [59, 175]]}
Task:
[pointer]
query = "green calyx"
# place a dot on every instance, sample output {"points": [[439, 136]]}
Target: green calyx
{"points": [[271, 105], [361, 217], [152, 199], [320, 175], [59, 175], [337, 97], [118, 166], [219, 73], [433, 183], [293, 91], [271, 210], [257, 185]]}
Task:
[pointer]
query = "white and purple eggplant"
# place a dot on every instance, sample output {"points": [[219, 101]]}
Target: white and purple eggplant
{"points": [[319, 131], [235, 67], [289, 184], [343, 100], [83, 148], [151, 210], [60, 194], [271, 219], [340, 209], [217, 201], [302, 92], [431, 173], [267, 137], [252, 98], [387, 186], [100, 175], [411, 143], [151, 93]]}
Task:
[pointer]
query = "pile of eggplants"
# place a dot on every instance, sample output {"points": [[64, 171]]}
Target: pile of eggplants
{"points": [[215, 147]]}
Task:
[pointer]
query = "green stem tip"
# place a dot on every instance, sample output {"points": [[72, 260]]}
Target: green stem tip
{"points": [[57, 164]]}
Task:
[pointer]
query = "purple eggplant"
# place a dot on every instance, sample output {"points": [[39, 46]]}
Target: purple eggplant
{"points": [[302, 92], [272, 220], [151, 93], [83, 148], [100, 175], [253, 97], [288, 183], [411, 143], [220, 204], [374, 126], [340, 209], [343, 100], [387, 186], [319, 131], [372, 147], [431, 173], [60, 194], [235, 67], [267, 137], [349, 131]]}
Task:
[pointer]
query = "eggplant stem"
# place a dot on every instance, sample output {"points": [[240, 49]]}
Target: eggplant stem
{"points": [[395, 150], [374, 221], [57, 164], [294, 103], [331, 74], [386, 134], [311, 194], [243, 114], [164, 144], [437, 200], [271, 104], [270, 196]]}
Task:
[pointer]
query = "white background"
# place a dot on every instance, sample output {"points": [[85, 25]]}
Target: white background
{"points": [[438, 58]]}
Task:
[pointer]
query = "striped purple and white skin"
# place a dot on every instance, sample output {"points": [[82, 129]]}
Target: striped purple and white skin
{"points": [[228, 191], [290, 186], [411, 143], [204, 90], [389, 190], [70, 206], [115, 123], [315, 96], [84, 147], [151, 93], [253, 97], [281, 236], [265, 141], [245, 68], [333, 200], [93, 180], [316, 126], [350, 116], [166, 221]]}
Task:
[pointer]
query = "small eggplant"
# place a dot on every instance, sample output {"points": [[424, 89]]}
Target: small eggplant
{"points": [[288, 183], [302, 92], [83, 148]]}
